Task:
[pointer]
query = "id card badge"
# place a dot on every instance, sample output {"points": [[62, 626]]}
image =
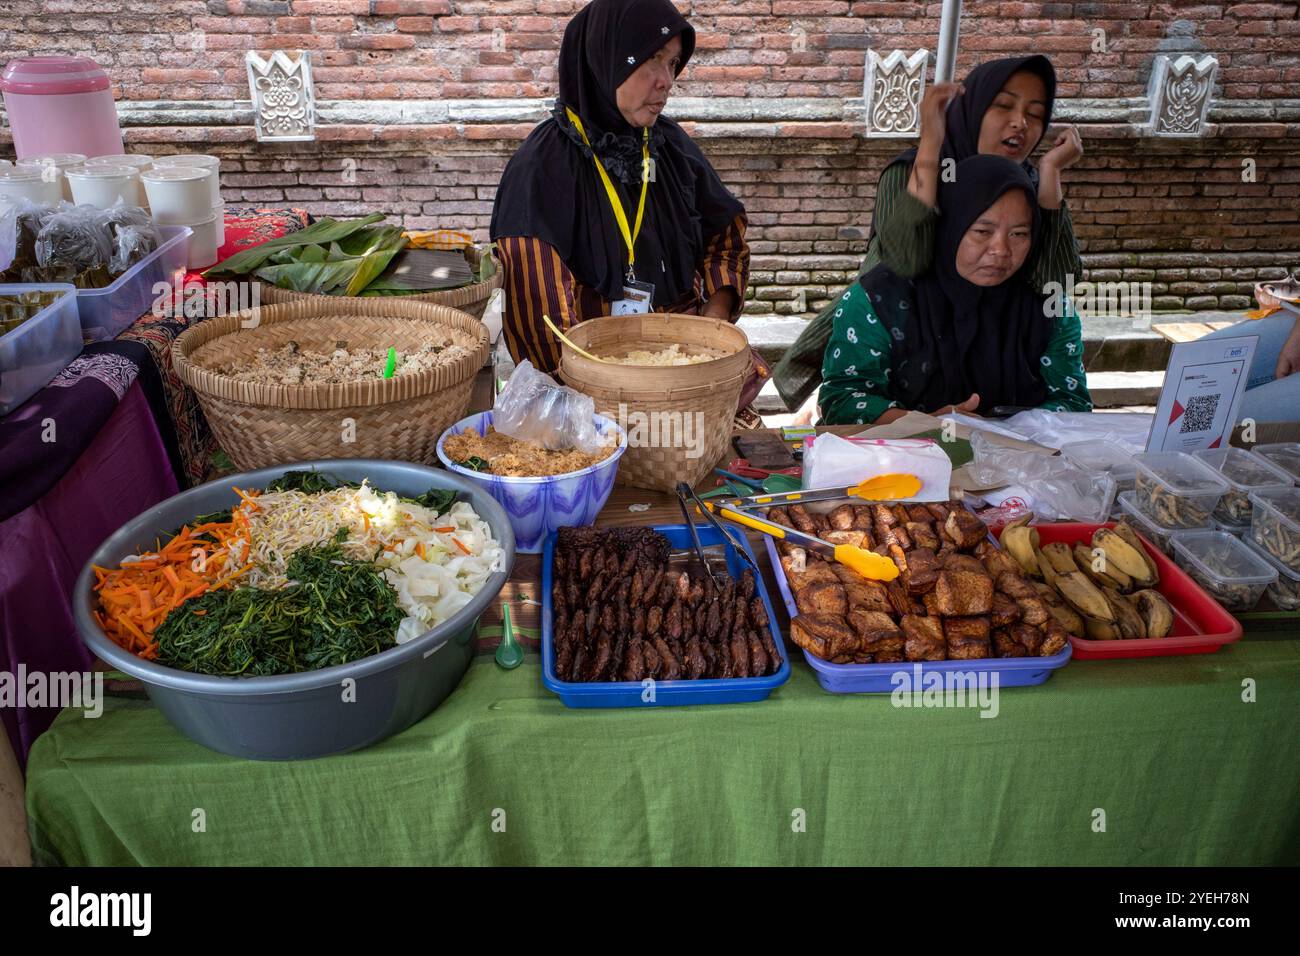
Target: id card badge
{"points": [[637, 299]]}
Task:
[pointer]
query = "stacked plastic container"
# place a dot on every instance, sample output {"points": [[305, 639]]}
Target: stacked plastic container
{"points": [[185, 190], [39, 348]]}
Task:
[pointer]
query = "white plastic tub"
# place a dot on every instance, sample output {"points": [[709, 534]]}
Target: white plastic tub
{"points": [[31, 184], [104, 186], [60, 161], [203, 243], [178, 195], [197, 161]]}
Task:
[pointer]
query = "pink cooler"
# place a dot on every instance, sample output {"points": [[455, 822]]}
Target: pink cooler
{"points": [[60, 104]]}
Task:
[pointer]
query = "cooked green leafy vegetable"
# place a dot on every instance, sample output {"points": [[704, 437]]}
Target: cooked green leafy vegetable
{"points": [[335, 610]]}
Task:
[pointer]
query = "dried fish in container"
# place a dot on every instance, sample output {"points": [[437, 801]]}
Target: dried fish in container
{"points": [[1276, 525], [1177, 490], [1245, 472], [1226, 567]]}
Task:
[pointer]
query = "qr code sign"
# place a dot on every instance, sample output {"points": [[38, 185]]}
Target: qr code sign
{"points": [[1199, 414]]}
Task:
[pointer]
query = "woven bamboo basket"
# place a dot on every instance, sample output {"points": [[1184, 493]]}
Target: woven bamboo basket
{"points": [[470, 298], [679, 418], [399, 418]]}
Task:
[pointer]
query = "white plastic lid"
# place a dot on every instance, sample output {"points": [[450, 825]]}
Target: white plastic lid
{"points": [[1281, 505], [188, 159], [160, 174], [102, 172], [53, 159], [1286, 455], [1282, 570], [1223, 558], [21, 174], [1244, 470], [138, 160], [1181, 474], [1102, 455]]}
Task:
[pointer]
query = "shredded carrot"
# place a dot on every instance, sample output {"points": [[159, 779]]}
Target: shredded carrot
{"points": [[461, 546], [366, 518], [419, 549], [445, 530]]}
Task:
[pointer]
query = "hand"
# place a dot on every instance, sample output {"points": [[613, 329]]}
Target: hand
{"points": [[1066, 150], [720, 305], [934, 110], [890, 415], [1288, 362], [965, 408]]}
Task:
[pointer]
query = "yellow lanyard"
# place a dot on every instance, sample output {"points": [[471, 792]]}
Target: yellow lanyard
{"points": [[629, 236]]}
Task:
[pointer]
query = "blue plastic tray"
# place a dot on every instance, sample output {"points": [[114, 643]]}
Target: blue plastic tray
{"points": [[667, 693], [880, 678]]}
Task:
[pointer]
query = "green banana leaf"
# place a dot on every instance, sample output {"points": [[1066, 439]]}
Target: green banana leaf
{"points": [[343, 267], [487, 266], [324, 231]]}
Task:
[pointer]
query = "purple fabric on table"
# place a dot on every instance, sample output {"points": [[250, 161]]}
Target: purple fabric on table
{"points": [[123, 471]]}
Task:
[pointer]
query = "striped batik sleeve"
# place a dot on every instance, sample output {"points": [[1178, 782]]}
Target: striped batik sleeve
{"points": [[726, 263], [537, 283], [1058, 259], [904, 226]]}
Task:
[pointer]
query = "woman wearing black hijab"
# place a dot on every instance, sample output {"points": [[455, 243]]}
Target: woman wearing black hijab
{"points": [[970, 333], [571, 197], [1003, 108]]}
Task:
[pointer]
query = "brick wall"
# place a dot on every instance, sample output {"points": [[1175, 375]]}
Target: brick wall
{"points": [[1176, 213]]}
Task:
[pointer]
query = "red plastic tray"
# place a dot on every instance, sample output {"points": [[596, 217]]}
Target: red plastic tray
{"points": [[1201, 625]]}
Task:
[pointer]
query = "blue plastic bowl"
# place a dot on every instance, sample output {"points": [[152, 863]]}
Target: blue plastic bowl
{"points": [[538, 506]]}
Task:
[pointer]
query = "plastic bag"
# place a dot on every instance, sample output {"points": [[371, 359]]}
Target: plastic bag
{"points": [[131, 233], [30, 217], [1050, 487], [8, 234], [534, 407], [73, 246], [835, 462], [1054, 429]]}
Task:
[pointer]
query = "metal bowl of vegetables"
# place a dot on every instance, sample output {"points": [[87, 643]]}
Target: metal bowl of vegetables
{"points": [[291, 655]]}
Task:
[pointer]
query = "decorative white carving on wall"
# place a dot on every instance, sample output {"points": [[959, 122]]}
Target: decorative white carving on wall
{"points": [[284, 102], [1180, 94], [892, 92]]}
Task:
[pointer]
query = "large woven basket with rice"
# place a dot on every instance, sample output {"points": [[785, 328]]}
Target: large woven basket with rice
{"points": [[260, 424], [678, 418], [469, 298]]}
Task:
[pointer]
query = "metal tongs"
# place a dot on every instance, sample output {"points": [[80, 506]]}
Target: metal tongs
{"points": [[685, 492], [880, 488]]}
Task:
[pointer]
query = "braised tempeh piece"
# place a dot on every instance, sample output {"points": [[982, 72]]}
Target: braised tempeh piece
{"points": [[923, 638], [922, 535]]}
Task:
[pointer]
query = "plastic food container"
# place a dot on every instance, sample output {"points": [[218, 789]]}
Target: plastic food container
{"points": [[40, 348], [1201, 626], [104, 186], [1177, 490], [61, 162], [178, 195], [1244, 472], [31, 184], [1236, 530], [885, 678], [1146, 526], [1285, 591], [731, 690], [60, 104], [539, 506], [106, 312], [203, 243], [1286, 455], [1226, 567], [1275, 526], [139, 161], [220, 212], [301, 716], [197, 161], [1102, 455]]}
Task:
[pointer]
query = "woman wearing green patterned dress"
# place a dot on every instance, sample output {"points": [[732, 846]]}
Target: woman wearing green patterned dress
{"points": [[968, 335], [1002, 108]]}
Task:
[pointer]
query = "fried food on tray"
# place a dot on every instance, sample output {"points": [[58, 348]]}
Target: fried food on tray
{"points": [[958, 596]]}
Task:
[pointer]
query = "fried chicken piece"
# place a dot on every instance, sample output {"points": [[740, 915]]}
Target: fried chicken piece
{"points": [[1055, 639], [922, 535], [923, 638], [876, 631], [819, 634], [965, 529], [822, 599], [963, 593], [859, 539], [841, 518], [922, 571], [801, 519], [967, 638], [1005, 611], [1004, 645]]}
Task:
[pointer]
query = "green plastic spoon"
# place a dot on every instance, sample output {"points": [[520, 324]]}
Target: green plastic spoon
{"points": [[391, 365], [509, 654]]}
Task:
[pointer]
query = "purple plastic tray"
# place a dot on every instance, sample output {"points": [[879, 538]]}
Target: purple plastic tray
{"points": [[885, 678]]}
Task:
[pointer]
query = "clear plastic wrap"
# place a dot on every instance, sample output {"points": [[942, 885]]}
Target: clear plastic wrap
{"points": [[8, 234], [73, 246], [30, 216], [1054, 429], [132, 236], [1052, 488], [534, 407]]}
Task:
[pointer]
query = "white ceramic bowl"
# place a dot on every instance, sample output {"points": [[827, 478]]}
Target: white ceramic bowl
{"points": [[178, 195], [538, 506], [139, 161], [104, 186], [31, 184], [197, 161]]}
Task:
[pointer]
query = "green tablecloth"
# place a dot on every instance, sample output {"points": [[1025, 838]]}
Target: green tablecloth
{"points": [[1184, 770]]}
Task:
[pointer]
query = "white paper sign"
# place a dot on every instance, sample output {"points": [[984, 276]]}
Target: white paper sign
{"points": [[1203, 389]]}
